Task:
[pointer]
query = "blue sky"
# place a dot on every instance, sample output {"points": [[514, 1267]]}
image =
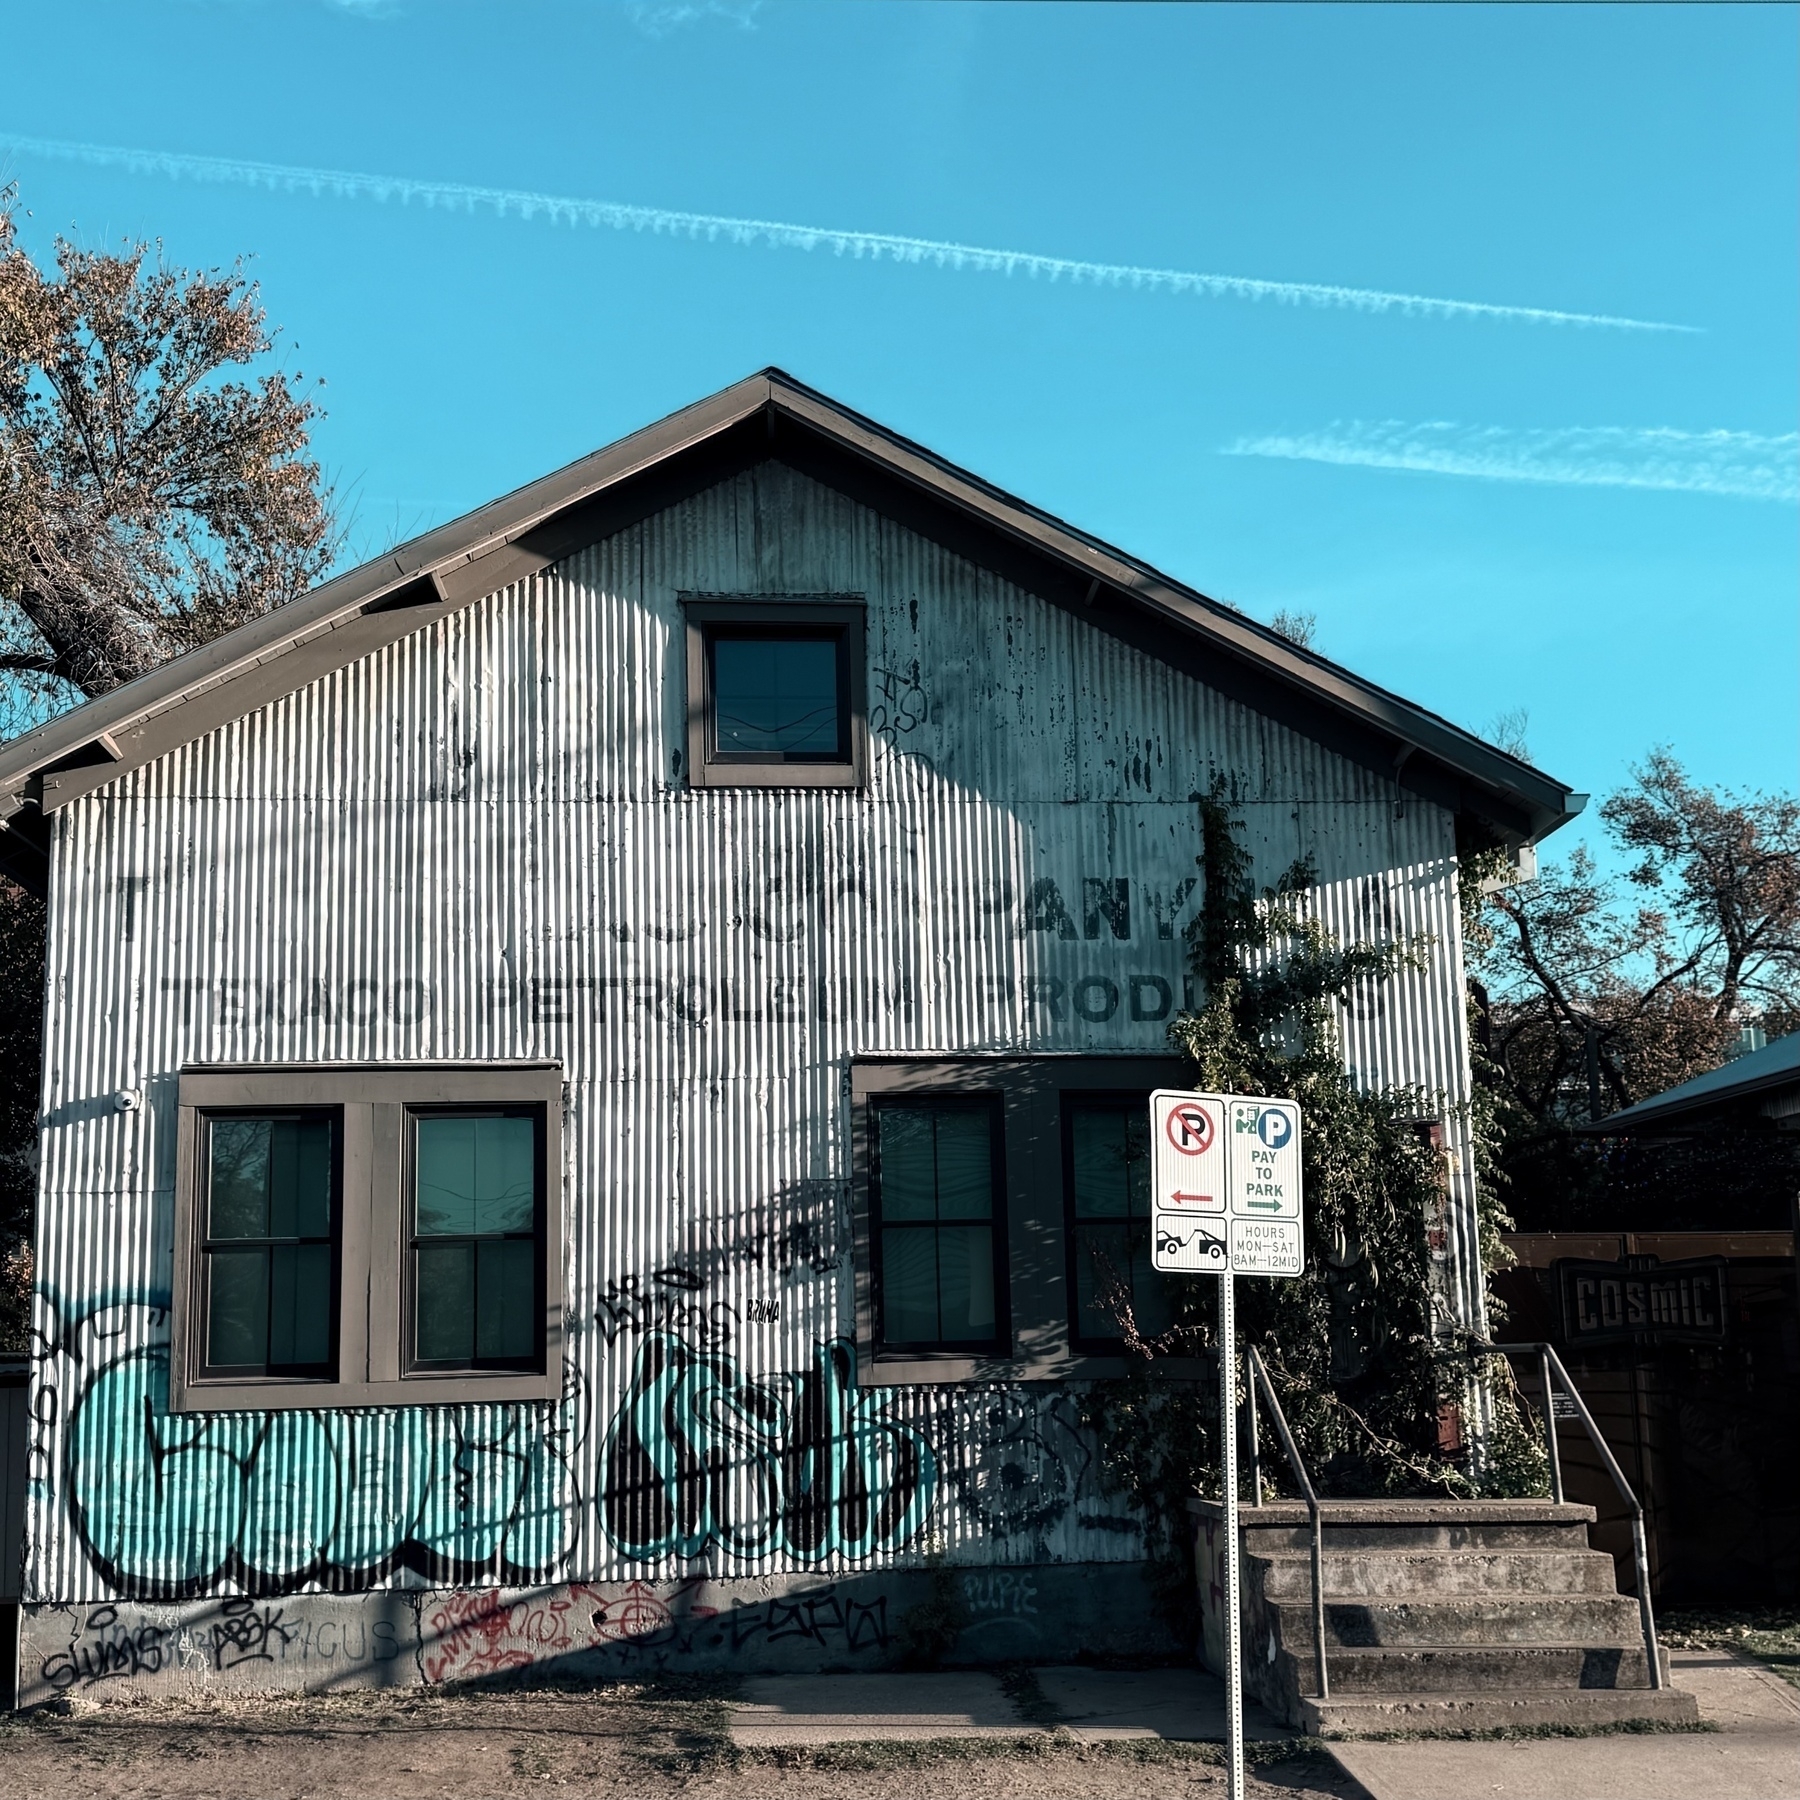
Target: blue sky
{"points": [[1592, 522]]}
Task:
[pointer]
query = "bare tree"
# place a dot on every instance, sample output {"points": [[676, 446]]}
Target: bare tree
{"points": [[149, 500], [1297, 627]]}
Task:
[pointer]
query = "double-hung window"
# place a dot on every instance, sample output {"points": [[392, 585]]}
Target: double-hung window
{"points": [[367, 1235], [939, 1206], [269, 1262], [476, 1221]]}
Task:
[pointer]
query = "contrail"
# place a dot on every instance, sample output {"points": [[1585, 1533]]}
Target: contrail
{"points": [[344, 184], [1742, 464]]}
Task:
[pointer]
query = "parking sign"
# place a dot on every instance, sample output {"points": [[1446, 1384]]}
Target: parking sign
{"points": [[1225, 1180], [1188, 1182]]}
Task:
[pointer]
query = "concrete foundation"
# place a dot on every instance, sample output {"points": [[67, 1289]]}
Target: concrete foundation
{"points": [[318, 1642]]}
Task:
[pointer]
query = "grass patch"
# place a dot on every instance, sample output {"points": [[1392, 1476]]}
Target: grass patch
{"points": [[1771, 1634], [1515, 1734], [1026, 1692], [1039, 1747]]}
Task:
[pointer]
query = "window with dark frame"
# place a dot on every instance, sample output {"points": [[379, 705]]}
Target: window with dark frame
{"points": [[776, 692], [367, 1234], [1070, 1203], [937, 1212], [1106, 1188], [475, 1227], [269, 1252]]}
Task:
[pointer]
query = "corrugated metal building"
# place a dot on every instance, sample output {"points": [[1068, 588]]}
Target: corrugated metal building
{"points": [[580, 1057]]}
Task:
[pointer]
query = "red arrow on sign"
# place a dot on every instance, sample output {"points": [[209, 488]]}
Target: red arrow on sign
{"points": [[1198, 1199]]}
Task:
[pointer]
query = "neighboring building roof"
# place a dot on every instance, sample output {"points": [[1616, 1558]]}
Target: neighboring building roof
{"points": [[1765, 1081], [768, 416]]}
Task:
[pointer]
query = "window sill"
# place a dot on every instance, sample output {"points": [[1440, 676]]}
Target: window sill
{"points": [[899, 1370], [332, 1396], [776, 775]]}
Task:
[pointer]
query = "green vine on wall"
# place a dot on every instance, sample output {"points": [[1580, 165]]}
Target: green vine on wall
{"points": [[1349, 1344]]}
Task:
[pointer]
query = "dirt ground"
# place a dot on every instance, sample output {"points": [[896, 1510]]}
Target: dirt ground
{"points": [[646, 1743]]}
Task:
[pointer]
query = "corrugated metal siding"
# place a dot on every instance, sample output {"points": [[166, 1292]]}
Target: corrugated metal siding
{"points": [[474, 844]]}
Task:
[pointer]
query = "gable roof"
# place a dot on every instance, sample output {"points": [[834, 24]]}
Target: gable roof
{"points": [[1759, 1076], [769, 416]]}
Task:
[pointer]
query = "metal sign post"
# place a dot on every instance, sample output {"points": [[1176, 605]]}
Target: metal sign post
{"points": [[1234, 1627], [1225, 1170]]}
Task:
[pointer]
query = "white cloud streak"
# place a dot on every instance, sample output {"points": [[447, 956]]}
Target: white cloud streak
{"points": [[1742, 464], [657, 18], [874, 246]]}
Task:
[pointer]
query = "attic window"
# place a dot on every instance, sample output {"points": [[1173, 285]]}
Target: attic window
{"points": [[775, 693]]}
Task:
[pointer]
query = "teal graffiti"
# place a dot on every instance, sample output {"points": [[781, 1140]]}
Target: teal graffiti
{"points": [[808, 1465], [168, 1506]]}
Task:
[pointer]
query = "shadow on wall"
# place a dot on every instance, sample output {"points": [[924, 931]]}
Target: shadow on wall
{"points": [[579, 1630]]}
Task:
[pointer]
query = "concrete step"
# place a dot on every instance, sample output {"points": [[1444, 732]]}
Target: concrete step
{"points": [[1472, 1668], [1421, 1574], [1473, 1619], [1501, 1534], [1518, 1708]]}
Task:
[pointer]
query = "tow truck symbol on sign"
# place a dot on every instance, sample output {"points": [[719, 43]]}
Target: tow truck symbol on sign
{"points": [[1187, 1244]]}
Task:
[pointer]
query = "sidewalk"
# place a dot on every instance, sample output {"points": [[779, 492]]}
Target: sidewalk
{"points": [[1753, 1755], [1183, 1705]]}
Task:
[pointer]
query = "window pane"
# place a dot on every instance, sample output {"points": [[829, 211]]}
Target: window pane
{"points": [[506, 1300], [1102, 1253], [444, 1303], [237, 1308], [445, 1155], [1122, 1251], [775, 696], [239, 1182], [1111, 1156], [966, 1281], [476, 1175], [909, 1313], [299, 1178], [1098, 1142], [1151, 1298], [299, 1305], [908, 1179], [965, 1166], [269, 1178], [505, 1174], [1137, 1162]]}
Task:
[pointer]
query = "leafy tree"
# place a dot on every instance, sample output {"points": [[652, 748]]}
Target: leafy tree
{"points": [[1595, 991], [150, 499], [1350, 1344]]}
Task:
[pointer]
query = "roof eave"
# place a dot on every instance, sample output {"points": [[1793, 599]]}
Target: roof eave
{"points": [[454, 563]]}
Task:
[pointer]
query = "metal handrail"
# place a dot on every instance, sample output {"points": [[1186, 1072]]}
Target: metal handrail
{"points": [[1548, 1360], [1258, 1373]]}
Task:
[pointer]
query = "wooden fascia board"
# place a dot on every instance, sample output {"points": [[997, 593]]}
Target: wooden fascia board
{"points": [[368, 608], [1378, 729], [347, 618]]}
